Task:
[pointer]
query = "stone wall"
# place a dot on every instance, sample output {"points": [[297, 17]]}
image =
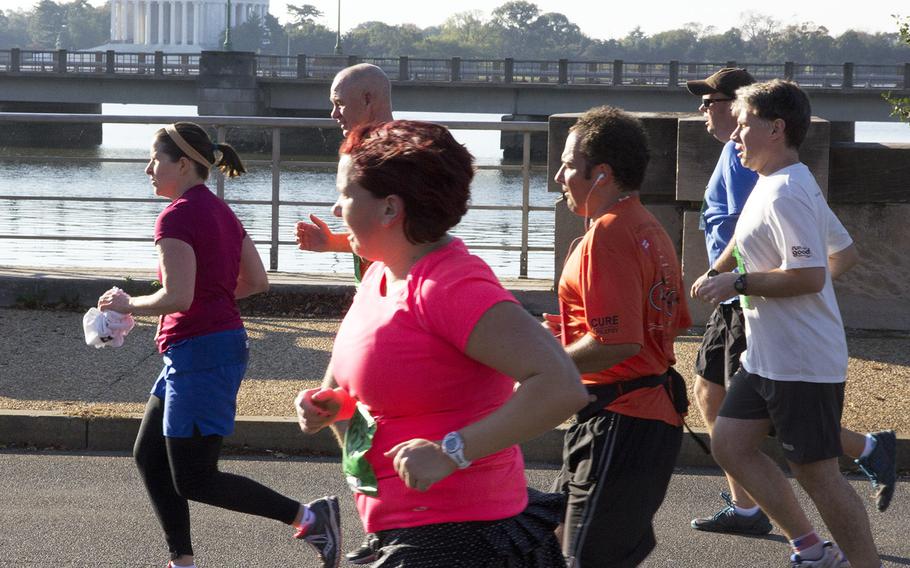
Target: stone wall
{"points": [[868, 186]]}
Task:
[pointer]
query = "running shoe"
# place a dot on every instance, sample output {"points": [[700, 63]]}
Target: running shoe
{"points": [[880, 466], [727, 520], [831, 558], [324, 533], [366, 553]]}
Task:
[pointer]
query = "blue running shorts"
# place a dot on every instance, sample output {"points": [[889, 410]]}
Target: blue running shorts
{"points": [[199, 383]]}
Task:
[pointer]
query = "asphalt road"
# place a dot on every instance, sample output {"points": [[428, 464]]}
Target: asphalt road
{"points": [[66, 509]]}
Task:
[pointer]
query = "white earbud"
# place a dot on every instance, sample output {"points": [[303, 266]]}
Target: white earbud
{"points": [[597, 180]]}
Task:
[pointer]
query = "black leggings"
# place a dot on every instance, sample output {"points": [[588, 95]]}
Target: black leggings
{"points": [[175, 470]]}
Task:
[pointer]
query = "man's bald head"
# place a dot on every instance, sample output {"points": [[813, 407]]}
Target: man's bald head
{"points": [[361, 94]]}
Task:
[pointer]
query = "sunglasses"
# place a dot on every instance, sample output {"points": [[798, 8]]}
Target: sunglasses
{"points": [[708, 102]]}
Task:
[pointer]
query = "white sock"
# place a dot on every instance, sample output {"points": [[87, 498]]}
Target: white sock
{"points": [[746, 512], [870, 445], [808, 551], [172, 565]]}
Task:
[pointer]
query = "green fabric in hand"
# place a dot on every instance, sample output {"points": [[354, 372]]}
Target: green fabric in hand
{"points": [[357, 442]]}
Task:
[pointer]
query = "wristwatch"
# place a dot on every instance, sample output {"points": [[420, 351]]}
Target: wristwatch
{"points": [[712, 273], [740, 284], [453, 446]]}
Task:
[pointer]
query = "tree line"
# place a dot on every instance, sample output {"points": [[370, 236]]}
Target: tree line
{"points": [[517, 29], [901, 105], [52, 25]]}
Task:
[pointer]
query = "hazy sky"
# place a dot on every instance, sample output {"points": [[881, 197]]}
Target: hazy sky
{"points": [[602, 19]]}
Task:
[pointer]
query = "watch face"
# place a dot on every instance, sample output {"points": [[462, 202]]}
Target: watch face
{"points": [[739, 284], [451, 444]]}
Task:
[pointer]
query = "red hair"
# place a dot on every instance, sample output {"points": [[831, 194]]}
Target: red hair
{"points": [[421, 163]]}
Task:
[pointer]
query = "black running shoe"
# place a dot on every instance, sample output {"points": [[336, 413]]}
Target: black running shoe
{"points": [[880, 467], [728, 521], [368, 551]]}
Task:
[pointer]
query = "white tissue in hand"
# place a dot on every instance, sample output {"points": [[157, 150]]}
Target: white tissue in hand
{"points": [[107, 328]]}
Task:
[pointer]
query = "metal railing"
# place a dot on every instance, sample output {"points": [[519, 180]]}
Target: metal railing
{"points": [[616, 73], [275, 202]]}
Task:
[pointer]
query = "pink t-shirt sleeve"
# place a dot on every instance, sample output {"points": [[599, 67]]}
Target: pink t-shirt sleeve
{"points": [[451, 303]]}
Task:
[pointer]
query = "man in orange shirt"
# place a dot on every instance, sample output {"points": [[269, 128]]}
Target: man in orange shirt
{"points": [[621, 306]]}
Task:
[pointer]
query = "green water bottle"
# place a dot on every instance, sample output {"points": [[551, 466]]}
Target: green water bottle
{"points": [[744, 301]]}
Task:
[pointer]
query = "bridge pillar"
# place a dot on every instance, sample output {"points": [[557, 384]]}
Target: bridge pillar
{"points": [[49, 135], [512, 143], [404, 71], [848, 76], [673, 80], [228, 86]]}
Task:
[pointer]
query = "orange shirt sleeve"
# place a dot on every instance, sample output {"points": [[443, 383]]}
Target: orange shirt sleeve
{"points": [[612, 289]]}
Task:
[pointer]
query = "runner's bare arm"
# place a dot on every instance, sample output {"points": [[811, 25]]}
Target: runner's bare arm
{"points": [[842, 261]]}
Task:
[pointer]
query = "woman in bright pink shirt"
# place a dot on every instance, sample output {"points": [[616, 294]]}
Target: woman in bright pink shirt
{"points": [[421, 384]]}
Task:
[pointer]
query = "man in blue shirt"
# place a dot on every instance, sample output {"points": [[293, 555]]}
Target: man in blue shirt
{"points": [[725, 333]]}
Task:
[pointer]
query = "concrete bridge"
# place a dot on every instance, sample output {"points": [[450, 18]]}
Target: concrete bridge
{"points": [[223, 83], [245, 84]]}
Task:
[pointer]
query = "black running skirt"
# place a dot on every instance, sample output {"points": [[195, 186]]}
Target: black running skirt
{"points": [[526, 540]]}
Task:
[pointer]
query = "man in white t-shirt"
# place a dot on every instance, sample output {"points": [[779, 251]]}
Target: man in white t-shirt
{"points": [[792, 374]]}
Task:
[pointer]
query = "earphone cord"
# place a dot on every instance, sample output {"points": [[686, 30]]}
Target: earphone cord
{"points": [[588, 218]]}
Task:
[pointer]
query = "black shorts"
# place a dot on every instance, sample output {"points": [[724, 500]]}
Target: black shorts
{"points": [[526, 540], [615, 474], [805, 416], [724, 341]]}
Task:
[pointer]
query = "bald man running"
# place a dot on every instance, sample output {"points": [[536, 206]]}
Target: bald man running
{"points": [[360, 94]]}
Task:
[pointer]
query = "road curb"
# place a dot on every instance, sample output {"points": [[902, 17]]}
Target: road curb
{"points": [[281, 434], [289, 294]]}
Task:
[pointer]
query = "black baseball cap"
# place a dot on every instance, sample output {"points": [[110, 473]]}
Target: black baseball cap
{"points": [[725, 81]]}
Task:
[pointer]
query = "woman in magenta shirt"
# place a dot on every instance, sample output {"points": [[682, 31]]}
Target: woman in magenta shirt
{"points": [[422, 381], [206, 263]]}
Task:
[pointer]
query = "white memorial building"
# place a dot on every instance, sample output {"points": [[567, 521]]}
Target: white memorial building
{"points": [[177, 25]]}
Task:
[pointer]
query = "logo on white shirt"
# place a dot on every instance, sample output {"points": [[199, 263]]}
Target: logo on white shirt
{"points": [[798, 251]]}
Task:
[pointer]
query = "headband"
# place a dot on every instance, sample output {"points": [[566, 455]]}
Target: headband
{"points": [[185, 146]]}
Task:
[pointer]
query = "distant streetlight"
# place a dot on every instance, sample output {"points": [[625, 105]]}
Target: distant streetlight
{"points": [[227, 30], [338, 32], [59, 43]]}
